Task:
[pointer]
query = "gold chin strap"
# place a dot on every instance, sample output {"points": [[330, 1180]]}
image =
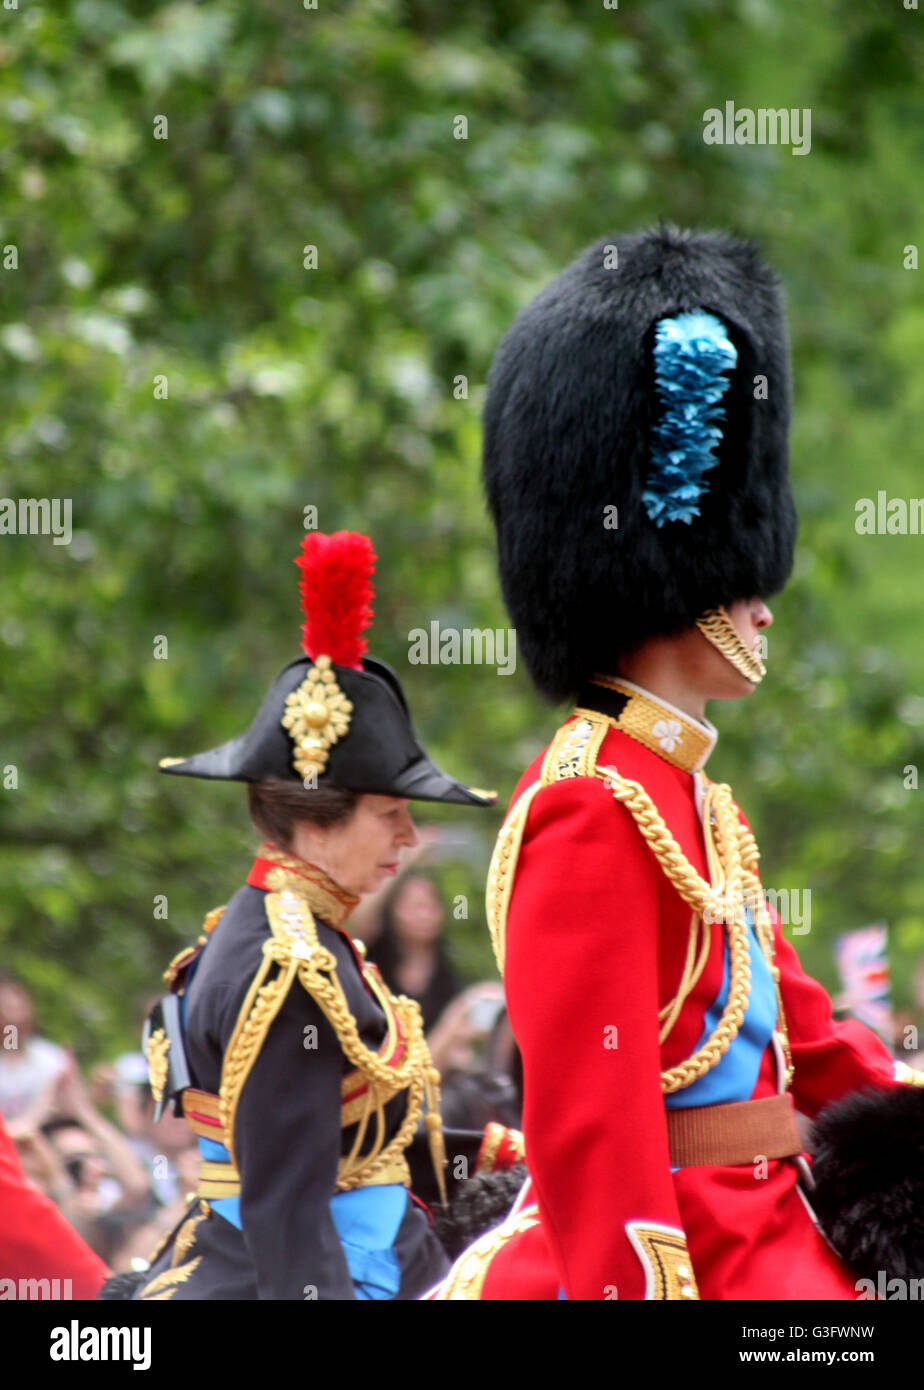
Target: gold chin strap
{"points": [[718, 628]]}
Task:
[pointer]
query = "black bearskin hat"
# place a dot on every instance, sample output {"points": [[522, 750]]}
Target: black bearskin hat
{"points": [[576, 398]]}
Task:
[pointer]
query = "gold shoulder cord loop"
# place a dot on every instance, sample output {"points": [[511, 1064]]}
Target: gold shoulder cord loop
{"points": [[699, 931], [414, 1073], [725, 899], [261, 1005], [763, 927], [702, 898], [294, 947]]}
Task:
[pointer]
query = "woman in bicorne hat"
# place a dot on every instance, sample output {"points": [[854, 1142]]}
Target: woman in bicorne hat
{"points": [[303, 1077], [635, 458]]}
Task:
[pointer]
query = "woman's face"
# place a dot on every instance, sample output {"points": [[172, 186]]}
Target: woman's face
{"points": [[359, 853], [417, 913]]}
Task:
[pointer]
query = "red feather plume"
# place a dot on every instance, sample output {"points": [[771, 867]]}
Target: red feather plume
{"points": [[336, 592]]}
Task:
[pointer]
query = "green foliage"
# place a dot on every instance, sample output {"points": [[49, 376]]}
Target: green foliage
{"points": [[141, 258]]}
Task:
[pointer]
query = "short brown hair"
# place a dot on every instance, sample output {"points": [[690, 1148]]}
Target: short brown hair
{"points": [[276, 805]]}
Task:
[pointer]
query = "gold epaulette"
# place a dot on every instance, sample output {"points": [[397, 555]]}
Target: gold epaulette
{"points": [[572, 753], [188, 953]]}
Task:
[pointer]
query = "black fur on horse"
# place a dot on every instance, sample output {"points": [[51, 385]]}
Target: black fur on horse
{"points": [[868, 1167], [479, 1204]]}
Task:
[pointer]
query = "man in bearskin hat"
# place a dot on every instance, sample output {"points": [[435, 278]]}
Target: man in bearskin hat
{"points": [[635, 460]]}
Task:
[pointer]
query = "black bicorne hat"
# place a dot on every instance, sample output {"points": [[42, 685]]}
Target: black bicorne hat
{"points": [[636, 448], [327, 722]]}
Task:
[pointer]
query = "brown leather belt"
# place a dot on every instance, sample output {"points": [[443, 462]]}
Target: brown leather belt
{"points": [[741, 1133]]}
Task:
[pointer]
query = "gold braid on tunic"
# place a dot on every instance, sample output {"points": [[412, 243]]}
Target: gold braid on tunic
{"points": [[734, 888], [293, 951]]}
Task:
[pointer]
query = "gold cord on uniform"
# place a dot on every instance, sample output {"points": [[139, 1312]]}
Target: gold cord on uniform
{"points": [[734, 885], [732, 857], [294, 948]]}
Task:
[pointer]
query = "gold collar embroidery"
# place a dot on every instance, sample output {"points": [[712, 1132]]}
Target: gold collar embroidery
{"points": [[326, 898], [680, 740]]}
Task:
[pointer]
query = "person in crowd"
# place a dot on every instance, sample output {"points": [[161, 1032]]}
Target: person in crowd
{"points": [[27, 1062], [411, 953], [161, 1147], [303, 1076], [80, 1159], [484, 1089], [41, 1255], [410, 949], [132, 1243], [40, 1161]]}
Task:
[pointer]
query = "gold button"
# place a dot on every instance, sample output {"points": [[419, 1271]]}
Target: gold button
{"points": [[686, 1290]]}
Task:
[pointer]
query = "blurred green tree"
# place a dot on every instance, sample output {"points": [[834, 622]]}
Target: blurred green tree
{"points": [[256, 259]]}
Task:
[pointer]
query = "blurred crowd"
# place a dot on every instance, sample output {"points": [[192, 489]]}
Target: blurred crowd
{"points": [[89, 1141]]}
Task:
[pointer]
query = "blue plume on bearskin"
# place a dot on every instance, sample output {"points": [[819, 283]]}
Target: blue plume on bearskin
{"points": [[692, 354]]}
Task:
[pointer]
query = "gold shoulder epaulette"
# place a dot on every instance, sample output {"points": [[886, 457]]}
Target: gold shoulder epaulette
{"points": [[183, 958], [573, 751]]}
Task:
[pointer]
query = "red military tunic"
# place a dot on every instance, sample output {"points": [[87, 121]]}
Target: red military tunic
{"points": [[594, 940], [41, 1255]]}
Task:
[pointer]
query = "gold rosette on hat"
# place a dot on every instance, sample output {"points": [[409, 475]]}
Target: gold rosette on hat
{"points": [[317, 714]]}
